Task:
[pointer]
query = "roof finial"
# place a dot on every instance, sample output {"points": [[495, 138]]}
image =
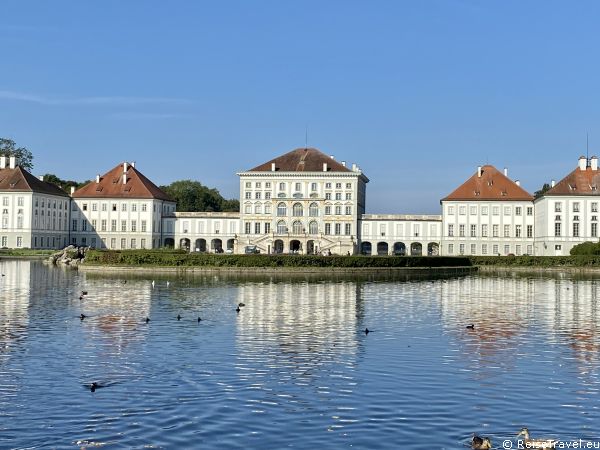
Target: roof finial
{"points": [[306, 137], [587, 147]]}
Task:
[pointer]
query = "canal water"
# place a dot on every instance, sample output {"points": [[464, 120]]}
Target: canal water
{"points": [[294, 368]]}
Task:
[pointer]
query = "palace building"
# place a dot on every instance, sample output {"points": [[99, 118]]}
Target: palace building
{"points": [[304, 202]]}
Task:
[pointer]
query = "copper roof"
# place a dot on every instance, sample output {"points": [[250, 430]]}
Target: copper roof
{"points": [[302, 160], [578, 182], [491, 185], [111, 186], [19, 180]]}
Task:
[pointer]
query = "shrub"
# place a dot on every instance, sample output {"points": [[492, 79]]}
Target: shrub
{"points": [[586, 248]]}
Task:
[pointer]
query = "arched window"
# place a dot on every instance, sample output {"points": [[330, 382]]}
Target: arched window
{"points": [[281, 209], [297, 210], [313, 209], [297, 227], [281, 228], [313, 227]]}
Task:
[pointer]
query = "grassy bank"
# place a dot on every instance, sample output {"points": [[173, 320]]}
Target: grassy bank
{"points": [[25, 252], [175, 258], [536, 261]]}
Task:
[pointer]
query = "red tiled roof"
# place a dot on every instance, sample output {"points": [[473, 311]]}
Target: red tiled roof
{"points": [[491, 185], [19, 180], [111, 186], [302, 160], [578, 182]]}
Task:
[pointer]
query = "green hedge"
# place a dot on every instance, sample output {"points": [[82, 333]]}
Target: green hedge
{"points": [[586, 248], [25, 252], [537, 261], [177, 258]]}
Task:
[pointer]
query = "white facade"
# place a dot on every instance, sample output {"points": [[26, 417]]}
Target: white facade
{"points": [[212, 232], [488, 228], [395, 234], [301, 212]]}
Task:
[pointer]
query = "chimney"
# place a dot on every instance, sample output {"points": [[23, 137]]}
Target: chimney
{"points": [[517, 182], [272, 167], [72, 189], [332, 157], [124, 178], [479, 171], [125, 167], [2, 162], [133, 164], [552, 183], [98, 178], [12, 162], [594, 162], [344, 163], [353, 167], [582, 162], [324, 167], [41, 177], [506, 171]]}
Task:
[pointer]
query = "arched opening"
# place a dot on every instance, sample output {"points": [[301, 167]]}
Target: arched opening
{"points": [[416, 249], [200, 245], [169, 242], [313, 210], [230, 245], [433, 249], [278, 246], [382, 248], [184, 244], [217, 245], [297, 227], [313, 228], [310, 248], [297, 210], [399, 249], [295, 246], [281, 209], [365, 248], [281, 228]]}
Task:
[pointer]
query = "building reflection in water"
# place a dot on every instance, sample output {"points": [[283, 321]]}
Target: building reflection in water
{"points": [[295, 334]]}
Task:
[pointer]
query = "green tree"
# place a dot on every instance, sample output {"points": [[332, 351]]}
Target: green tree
{"points": [[545, 188], [65, 185], [8, 148], [193, 196]]}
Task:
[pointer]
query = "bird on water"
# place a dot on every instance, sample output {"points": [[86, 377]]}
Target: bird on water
{"points": [[147, 320], [82, 316], [241, 304], [94, 386], [367, 331], [199, 320], [178, 316], [237, 309], [470, 326], [480, 443]]}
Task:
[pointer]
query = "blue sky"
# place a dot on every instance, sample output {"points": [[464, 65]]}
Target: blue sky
{"points": [[417, 93]]}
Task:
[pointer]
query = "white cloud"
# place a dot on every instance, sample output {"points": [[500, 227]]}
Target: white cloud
{"points": [[91, 101]]}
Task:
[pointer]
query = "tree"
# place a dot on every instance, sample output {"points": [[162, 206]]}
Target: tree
{"points": [[545, 188], [65, 185], [8, 148], [193, 196]]}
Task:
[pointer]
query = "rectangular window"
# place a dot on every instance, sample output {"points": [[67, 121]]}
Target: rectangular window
{"points": [[507, 210], [576, 229], [247, 226], [268, 185], [113, 225], [103, 225], [594, 207], [506, 231], [282, 186], [313, 186], [518, 250], [257, 185], [450, 249], [348, 196], [248, 195], [495, 230], [473, 210], [348, 210], [134, 225], [328, 210], [338, 228], [473, 249], [327, 185], [530, 249], [4, 201], [484, 230], [484, 249], [348, 185], [450, 230], [267, 227], [461, 249], [473, 230], [257, 195], [495, 249], [123, 207], [529, 231], [123, 225], [134, 207], [19, 241], [347, 229], [144, 207], [142, 243], [123, 243], [338, 185], [530, 210], [462, 210], [114, 206], [256, 227], [133, 243], [496, 211], [461, 230], [484, 210], [338, 195], [518, 210], [575, 206], [143, 226], [20, 201], [104, 206], [506, 249], [450, 210], [74, 228], [327, 228], [328, 196], [557, 207], [594, 229], [268, 195], [113, 243], [94, 206], [83, 225], [84, 207], [518, 231], [248, 185], [557, 229], [338, 210]]}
